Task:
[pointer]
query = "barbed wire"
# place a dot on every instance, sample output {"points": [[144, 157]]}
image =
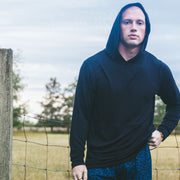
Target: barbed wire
{"points": [[68, 171]]}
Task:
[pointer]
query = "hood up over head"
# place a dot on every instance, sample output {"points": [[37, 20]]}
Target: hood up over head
{"points": [[114, 37]]}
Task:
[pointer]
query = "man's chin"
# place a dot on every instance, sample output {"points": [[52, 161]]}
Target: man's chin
{"points": [[132, 45]]}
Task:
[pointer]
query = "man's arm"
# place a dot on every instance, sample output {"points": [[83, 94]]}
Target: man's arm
{"points": [[170, 95], [80, 121]]}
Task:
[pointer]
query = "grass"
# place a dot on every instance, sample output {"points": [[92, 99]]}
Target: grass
{"points": [[57, 158], [167, 159]]}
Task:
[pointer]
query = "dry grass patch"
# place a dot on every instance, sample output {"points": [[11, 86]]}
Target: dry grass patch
{"points": [[57, 158]]}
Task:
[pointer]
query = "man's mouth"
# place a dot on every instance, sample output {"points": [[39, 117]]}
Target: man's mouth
{"points": [[133, 36]]}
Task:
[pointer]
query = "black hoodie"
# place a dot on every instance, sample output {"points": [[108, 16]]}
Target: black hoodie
{"points": [[114, 102]]}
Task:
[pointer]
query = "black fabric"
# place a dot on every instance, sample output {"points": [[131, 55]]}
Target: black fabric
{"points": [[114, 103]]}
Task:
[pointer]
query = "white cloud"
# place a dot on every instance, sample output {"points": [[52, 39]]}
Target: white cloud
{"points": [[165, 37], [32, 99], [37, 75]]}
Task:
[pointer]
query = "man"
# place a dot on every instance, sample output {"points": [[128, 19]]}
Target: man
{"points": [[114, 104]]}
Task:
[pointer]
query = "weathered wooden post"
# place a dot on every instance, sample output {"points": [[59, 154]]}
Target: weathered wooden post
{"points": [[6, 99]]}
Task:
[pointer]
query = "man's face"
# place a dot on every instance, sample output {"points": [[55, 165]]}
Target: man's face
{"points": [[133, 27]]}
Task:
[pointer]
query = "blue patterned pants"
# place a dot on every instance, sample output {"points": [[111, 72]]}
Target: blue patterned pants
{"points": [[139, 168]]}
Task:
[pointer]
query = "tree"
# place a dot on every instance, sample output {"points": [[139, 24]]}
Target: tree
{"points": [[159, 110], [50, 116], [18, 109], [68, 102]]}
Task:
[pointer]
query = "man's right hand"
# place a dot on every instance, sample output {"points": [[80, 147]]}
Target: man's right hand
{"points": [[79, 172]]}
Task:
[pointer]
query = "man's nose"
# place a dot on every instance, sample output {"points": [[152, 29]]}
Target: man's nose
{"points": [[133, 27], [133, 30]]}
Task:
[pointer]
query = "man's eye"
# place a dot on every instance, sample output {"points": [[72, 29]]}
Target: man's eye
{"points": [[126, 22], [140, 23]]}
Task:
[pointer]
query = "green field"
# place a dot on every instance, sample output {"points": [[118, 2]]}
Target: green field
{"points": [[56, 158]]}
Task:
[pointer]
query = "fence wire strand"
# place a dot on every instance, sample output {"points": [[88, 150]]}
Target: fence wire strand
{"points": [[68, 170]]}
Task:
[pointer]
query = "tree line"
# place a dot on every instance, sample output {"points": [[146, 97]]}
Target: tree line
{"points": [[57, 105]]}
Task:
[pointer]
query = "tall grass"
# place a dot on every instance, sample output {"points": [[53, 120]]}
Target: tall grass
{"points": [[57, 158]]}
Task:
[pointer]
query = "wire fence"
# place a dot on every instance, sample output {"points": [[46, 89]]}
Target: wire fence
{"points": [[48, 164], [166, 159], [45, 145]]}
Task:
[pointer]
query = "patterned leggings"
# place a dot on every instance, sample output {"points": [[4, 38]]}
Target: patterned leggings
{"points": [[139, 168]]}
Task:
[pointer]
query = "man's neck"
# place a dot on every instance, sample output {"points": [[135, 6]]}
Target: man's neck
{"points": [[128, 53]]}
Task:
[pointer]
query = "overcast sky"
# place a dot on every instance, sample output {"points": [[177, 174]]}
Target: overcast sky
{"points": [[55, 37]]}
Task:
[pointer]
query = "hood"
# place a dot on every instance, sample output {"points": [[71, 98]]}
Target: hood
{"points": [[114, 37]]}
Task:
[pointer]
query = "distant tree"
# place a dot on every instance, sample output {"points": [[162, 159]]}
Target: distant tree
{"points": [[50, 116], [68, 102], [18, 108], [159, 110]]}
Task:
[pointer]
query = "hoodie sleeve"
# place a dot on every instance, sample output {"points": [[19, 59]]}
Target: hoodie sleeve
{"points": [[169, 94], [81, 115]]}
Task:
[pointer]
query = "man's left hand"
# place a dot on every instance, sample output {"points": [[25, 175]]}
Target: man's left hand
{"points": [[155, 140]]}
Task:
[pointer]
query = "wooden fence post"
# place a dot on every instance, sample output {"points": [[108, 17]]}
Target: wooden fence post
{"points": [[6, 111]]}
